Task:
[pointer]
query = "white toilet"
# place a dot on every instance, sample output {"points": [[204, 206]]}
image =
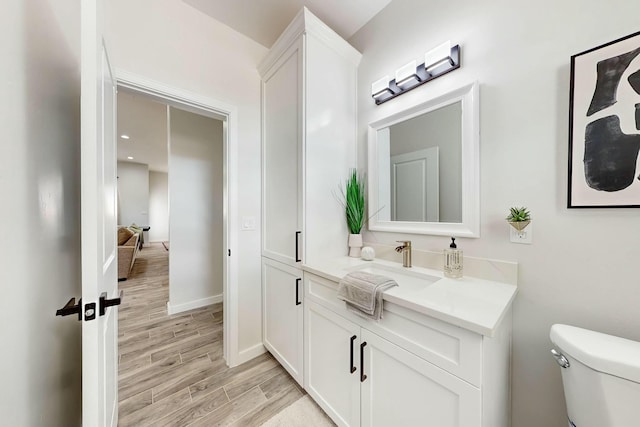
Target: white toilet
{"points": [[601, 377]]}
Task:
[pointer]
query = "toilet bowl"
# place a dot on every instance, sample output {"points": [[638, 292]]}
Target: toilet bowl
{"points": [[601, 377]]}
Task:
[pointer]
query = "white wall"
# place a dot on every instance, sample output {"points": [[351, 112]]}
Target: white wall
{"points": [[173, 43], [158, 206], [40, 364], [133, 193], [195, 185], [581, 267]]}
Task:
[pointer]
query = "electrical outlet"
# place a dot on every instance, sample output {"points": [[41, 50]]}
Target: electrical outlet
{"points": [[524, 236]]}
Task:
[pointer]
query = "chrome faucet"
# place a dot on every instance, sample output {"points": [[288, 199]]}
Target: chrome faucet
{"points": [[405, 248]]}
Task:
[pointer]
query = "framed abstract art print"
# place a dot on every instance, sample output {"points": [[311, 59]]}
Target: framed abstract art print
{"points": [[604, 126]]}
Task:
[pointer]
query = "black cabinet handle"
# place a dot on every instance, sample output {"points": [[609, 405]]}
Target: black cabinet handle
{"points": [[362, 375], [351, 367], [298, 259], [298, 302]]}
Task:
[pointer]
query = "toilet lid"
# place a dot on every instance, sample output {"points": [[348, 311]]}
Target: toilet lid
{"points": [[601, 352]]}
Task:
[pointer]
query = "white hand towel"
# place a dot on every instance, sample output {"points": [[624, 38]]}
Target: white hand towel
{"points": [[363, 292]]}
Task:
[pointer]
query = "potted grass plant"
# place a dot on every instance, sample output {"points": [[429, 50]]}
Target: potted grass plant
{"points": [[353, 201], [519, 218]]}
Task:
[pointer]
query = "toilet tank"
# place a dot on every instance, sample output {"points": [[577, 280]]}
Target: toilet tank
{"points": [[602, 378]]}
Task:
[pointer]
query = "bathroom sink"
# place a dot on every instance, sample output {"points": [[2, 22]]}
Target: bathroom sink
{"points": [[408, 279]]}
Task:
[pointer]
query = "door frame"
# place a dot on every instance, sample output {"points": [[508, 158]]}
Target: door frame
{"points": [[228, 114]]}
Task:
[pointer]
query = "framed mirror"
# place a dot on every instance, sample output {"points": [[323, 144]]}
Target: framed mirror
{"points": [[423, 171]]}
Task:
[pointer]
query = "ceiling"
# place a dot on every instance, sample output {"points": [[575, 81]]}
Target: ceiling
{"points": [[264, 20], [145, 122]]}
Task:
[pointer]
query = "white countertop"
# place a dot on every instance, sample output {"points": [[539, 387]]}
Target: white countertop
{"points": [[474, 304]]}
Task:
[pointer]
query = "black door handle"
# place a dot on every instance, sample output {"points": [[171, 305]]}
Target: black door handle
{"points": [[362, 375], [104, 302], [351, 367], [298, 259], [71, 308], [298, 302]]}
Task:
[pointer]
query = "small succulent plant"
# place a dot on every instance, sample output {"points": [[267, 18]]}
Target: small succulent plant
{"points": [[518, 215]]}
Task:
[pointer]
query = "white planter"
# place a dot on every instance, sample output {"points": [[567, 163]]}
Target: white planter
{"points": [[355, 245]]}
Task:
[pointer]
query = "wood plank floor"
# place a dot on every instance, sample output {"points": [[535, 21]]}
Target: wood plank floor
{"points": [[171, 370]]}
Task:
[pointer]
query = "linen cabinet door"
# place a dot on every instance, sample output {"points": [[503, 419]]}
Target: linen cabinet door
{"points": [[401, 389], [282, 158], [331, 364], [282, 315]]}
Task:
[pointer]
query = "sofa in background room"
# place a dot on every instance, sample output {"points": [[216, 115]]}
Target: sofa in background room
{"points": [[127, 251]]}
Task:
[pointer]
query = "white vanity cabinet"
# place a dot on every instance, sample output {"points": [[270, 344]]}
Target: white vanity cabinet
{"points": [[308, 147], [309, 127], [332, 377], [406, 370], [404, 390], [282, 295], [282, 158]]}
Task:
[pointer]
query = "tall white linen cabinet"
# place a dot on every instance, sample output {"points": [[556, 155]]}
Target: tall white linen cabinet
{"points": [[308, 147]]}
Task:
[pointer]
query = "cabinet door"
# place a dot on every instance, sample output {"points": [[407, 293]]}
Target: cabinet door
{"points": [[282, 159], [282, 315], [401, 389], [331, 365]]}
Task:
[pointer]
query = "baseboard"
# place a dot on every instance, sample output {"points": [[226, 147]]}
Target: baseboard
{"points": [[179, 308], [251, 353]]}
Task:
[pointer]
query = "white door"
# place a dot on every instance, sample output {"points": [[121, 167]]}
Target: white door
{"points": [[402, 389], [415, 190], [98, 213], [282, 320], [332, 369]]}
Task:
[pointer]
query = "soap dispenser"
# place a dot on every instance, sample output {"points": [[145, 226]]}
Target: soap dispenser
{"points": [[453, 261]]}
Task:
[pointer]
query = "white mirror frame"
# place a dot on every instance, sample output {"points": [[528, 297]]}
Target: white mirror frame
{"points": [[470, 225]]}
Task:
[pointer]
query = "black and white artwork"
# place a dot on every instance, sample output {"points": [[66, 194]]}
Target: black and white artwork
{"points": [[604, 131]]}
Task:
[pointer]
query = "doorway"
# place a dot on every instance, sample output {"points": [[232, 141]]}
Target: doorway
{"points": [[184, 213], [171, 161], [195, 103]]}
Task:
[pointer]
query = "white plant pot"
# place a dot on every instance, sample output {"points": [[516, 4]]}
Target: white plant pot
{"points": [[355, 245]]}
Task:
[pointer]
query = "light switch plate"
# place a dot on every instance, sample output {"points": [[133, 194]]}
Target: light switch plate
{"points": [[525, 236], [248, 223]]}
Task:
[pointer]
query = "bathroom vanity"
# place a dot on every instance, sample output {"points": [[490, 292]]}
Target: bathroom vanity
{"points": [[441, 354], [439, 357]]}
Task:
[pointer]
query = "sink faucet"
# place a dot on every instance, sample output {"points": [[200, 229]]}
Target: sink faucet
{"points": [[405, 248]]}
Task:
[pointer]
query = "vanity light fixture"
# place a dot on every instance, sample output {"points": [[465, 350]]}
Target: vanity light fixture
{"points": [[437, 62], [406, 76], [438, 56], [380, 90], [123, 136]]}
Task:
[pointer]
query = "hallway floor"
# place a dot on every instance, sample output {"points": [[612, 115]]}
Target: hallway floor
{"points": [[171, 369]]}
